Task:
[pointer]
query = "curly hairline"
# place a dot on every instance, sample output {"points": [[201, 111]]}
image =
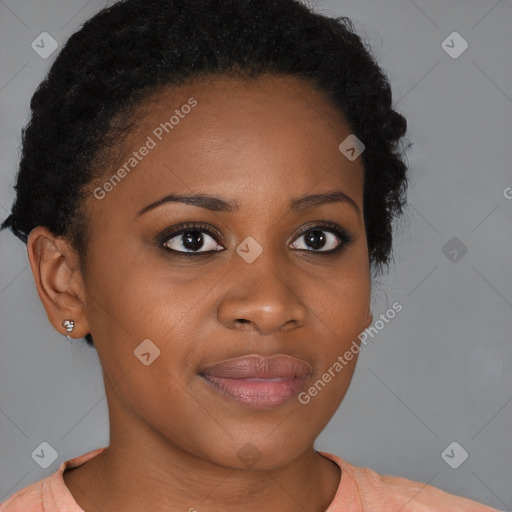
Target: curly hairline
{"points": [[145, 46]]}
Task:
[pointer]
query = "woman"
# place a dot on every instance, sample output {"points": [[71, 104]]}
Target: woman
{"points": [[205, 189]]}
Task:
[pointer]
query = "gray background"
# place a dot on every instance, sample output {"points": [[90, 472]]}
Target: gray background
{"points": [[440, 371]]}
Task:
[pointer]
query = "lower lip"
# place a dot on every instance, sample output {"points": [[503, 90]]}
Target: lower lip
{"points": [[258, 393]]}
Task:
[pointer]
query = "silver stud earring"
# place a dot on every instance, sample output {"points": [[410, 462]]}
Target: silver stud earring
{"points": [[69, 325]]}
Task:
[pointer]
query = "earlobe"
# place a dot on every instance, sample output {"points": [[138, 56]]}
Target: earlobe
{"points": [[369, 319], [56, 270]]}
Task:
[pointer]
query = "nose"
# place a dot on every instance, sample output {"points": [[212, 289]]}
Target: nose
{"points": [[263, 298]]}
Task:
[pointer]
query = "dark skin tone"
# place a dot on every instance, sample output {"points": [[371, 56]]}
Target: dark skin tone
{"points": [[174, 441]]}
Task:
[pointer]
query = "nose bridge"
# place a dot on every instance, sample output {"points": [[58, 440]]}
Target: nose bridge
{"points": [[261, 293]]}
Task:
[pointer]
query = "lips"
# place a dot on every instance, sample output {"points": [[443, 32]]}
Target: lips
{"points": [[255, 366], [257, 381]]}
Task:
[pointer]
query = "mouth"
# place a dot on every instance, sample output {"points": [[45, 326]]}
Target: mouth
{"points": [[256, 381]]}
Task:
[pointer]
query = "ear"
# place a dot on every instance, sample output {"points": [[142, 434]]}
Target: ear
{"points": [[56, 269], [369, 319]]}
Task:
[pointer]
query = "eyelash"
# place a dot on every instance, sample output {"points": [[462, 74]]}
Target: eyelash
{"points": [[345, 238]]}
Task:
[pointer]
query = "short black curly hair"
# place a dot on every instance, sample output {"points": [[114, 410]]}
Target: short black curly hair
{"points": [[84, 106]]}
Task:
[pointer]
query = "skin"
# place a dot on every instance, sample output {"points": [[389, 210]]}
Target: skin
{"points": [[174, 441]]}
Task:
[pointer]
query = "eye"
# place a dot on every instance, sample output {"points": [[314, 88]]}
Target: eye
{"points": [[190, 239], [326, 237]]}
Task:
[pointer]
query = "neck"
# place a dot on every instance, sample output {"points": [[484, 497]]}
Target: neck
{"points": [[141, 470]]}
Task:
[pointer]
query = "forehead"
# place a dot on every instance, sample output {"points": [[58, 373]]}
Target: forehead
{"points": [[258, 136]]}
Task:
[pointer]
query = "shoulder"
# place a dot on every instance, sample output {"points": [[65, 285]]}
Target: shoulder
{"points": [[48, 494], [28, 499], [383, 492], [412, 496]]}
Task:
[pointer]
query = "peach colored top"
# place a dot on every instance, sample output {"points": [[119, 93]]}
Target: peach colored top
{"points": [[360, 490]]}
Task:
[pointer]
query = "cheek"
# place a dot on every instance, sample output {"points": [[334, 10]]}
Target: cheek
{"points": [[341, 300], [131, 300], [341, 308]]}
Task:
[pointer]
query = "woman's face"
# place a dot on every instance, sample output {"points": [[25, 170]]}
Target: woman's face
{"points": [[248, 281]]}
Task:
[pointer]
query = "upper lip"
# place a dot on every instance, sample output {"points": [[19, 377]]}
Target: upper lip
{"points": [[257, 366]]}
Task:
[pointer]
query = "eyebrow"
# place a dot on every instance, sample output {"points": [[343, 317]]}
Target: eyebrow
{"points": [[217, 204]]}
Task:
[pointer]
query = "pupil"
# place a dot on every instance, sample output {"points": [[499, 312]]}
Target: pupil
{"points": [[313, 241], [192, 240]]}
